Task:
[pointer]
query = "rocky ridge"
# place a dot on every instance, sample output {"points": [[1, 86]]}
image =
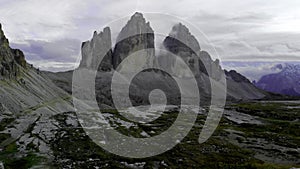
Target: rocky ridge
{"points": [[29, 103], [11, 60]]}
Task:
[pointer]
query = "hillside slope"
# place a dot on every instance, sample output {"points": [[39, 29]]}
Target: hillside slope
{"points": [[29, 102]]}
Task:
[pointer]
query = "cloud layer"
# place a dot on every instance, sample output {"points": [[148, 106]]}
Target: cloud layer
{"points": [[51, 32]]}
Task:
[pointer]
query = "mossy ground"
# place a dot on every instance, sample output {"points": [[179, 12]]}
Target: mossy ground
{"points": [[11, 159], [280, 128], [72, 148]]}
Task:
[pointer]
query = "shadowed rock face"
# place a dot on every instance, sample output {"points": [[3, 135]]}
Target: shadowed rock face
{"points": [[19, 57], [10, 59], [182, 43], [182, 34], [135, 35], [99, 46], [3, 39]]}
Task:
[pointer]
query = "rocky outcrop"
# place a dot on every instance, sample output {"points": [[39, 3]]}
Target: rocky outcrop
{"points": [[11, 60], [235, 76], [136, 35], [182, 43], [29, 105], [180, 39], [240, 88], [3, 39], [19, 57], [98, 47]]}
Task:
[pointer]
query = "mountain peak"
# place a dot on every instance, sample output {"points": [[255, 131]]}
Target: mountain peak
{"points": [[179, 27], [137, 15], [3, 39], [136, 35], [293, 67], [10, 59], [136, 25], [284, 82], [95, 49], [183, 34]]}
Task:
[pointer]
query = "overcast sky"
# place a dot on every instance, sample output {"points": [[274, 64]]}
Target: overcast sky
{"points": [[50, 32]]}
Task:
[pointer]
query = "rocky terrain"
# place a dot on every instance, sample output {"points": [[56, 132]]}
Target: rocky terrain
{"points": [[249, 136], [287, 81], [28, 103], [39, 127], [11, 60]]}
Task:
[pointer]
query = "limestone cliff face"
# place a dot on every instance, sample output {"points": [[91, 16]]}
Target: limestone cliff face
{"points": [[180, 39], [95, 49], [182, 43], [135, 35], [11, 60]]}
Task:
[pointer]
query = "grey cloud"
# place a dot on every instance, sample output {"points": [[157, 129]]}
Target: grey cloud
{"points": [[264, 57], [240, 30], [252, 17], [220, 24], [254, 70], [64, 50]]}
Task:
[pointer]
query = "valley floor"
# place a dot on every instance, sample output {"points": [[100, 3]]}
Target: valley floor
{"points": [[261, 134]]}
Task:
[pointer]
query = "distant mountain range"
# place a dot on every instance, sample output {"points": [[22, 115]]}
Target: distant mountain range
{"points": [[286, 82]]}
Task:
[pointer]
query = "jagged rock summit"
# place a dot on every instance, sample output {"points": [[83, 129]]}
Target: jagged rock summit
{"points": [[11, 60], [136, 35], [99, 46], [182, 33], [137, 25]]}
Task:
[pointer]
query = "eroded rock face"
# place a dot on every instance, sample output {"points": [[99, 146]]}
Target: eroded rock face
{"points": [[3, 39], [181, 39], [135, 35], [19, 57], [182, 43], [95, 49], [11, 60]]}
